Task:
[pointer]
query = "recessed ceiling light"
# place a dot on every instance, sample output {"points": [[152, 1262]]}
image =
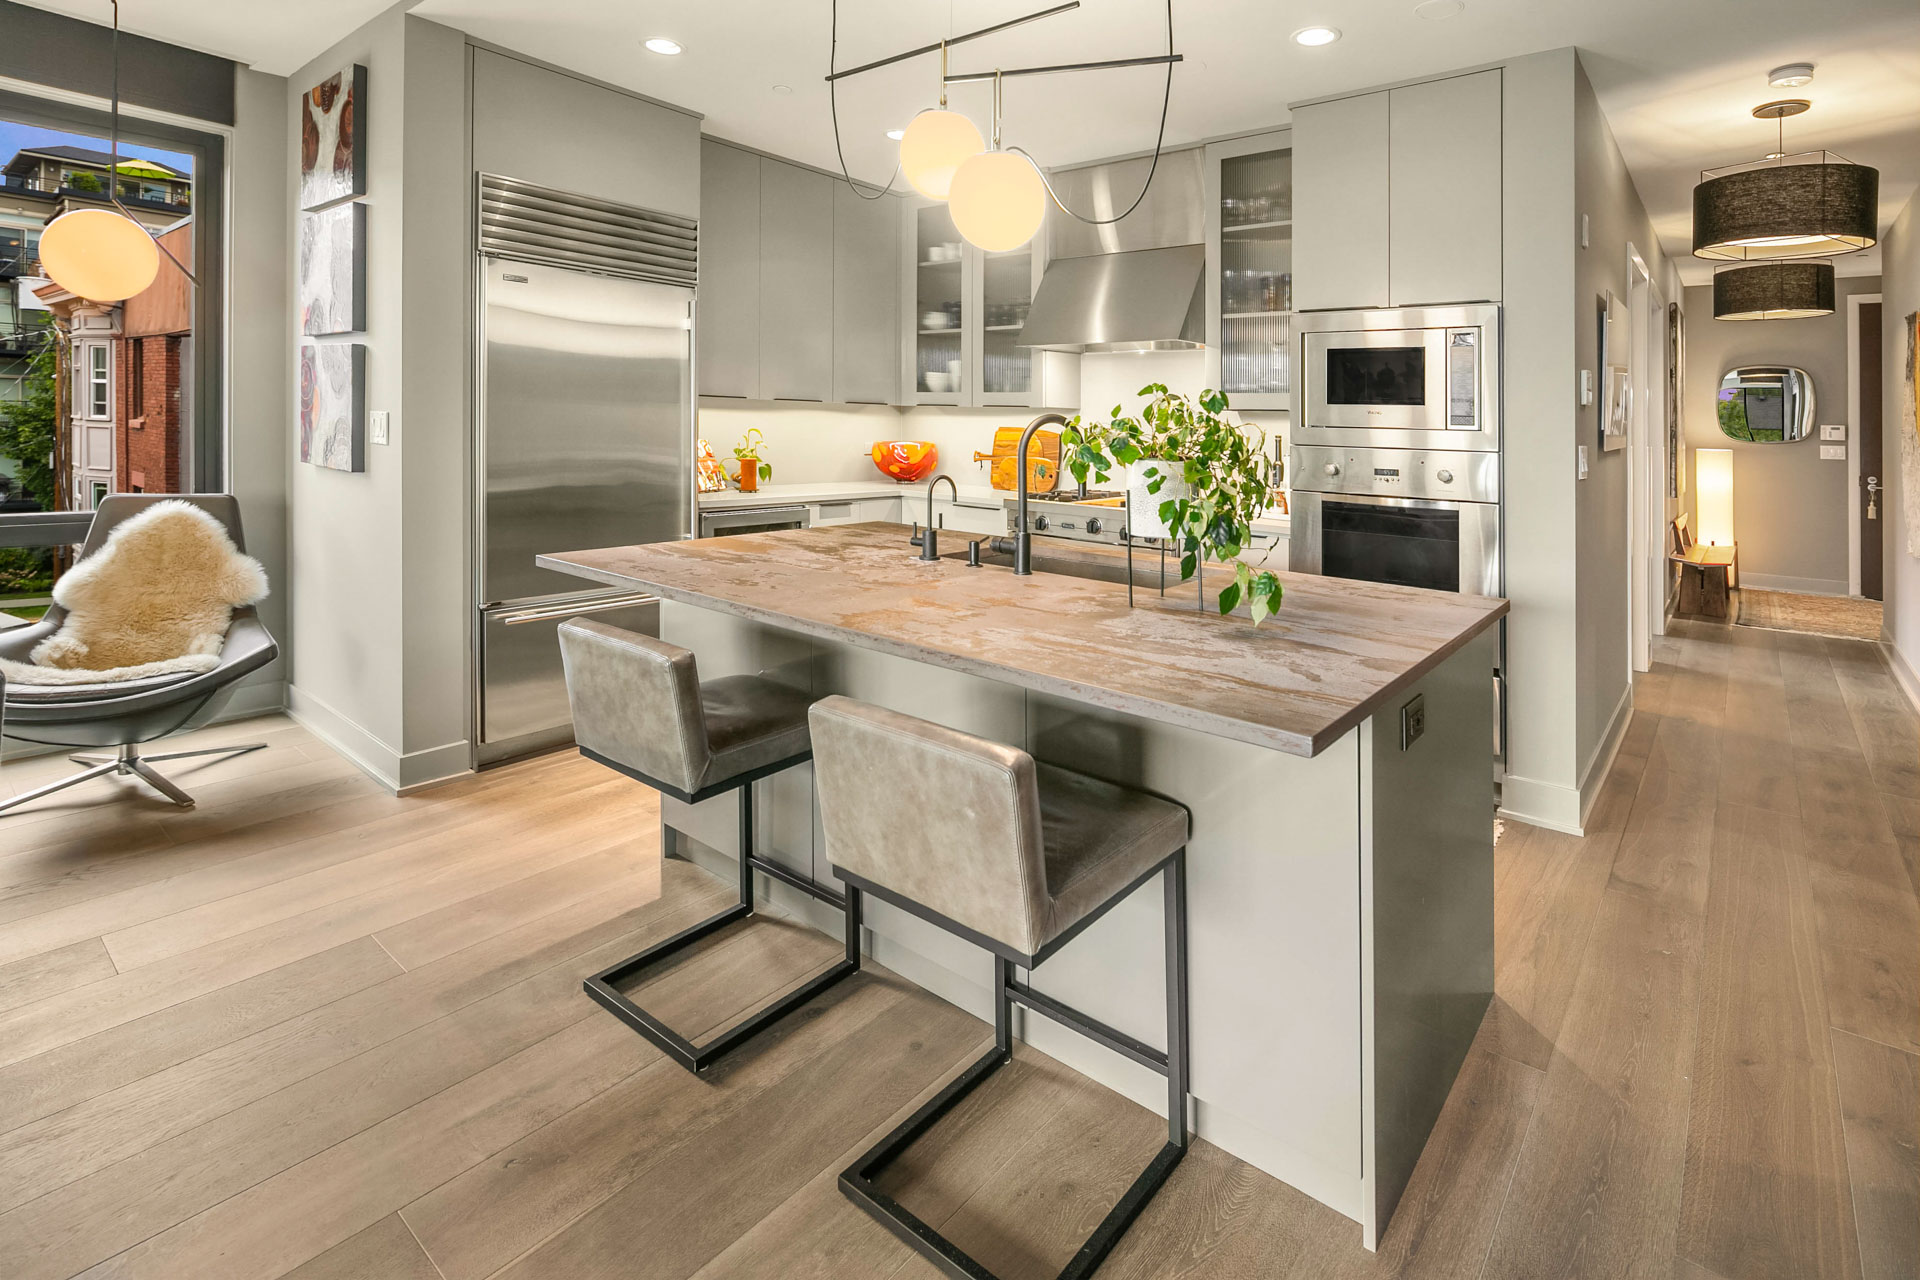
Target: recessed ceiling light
{"points": [[896, 134], [660, 44], [1791, 76], [783, 89], [1439, 10], [1313, 37]]}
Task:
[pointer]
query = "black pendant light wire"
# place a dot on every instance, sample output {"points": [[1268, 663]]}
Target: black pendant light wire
{"points": [[113, 168], [833, 105]]}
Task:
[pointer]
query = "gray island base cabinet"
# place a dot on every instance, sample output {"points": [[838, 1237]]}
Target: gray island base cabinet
{"points": [[1340, 888]]}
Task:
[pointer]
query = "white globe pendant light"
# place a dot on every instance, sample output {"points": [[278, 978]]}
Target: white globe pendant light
{"points": [[997, 200], [99, 255], [934, 146]]}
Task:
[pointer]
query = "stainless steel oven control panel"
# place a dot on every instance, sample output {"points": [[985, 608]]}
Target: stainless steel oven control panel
{"points": [[1445, 475]]}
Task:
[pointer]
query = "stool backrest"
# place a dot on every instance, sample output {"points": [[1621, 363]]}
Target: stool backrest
{"points": [[940, 817], [636, 701]]}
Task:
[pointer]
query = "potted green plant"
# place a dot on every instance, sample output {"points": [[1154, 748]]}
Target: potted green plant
{"points": [[1211, 479], [752, 468]]}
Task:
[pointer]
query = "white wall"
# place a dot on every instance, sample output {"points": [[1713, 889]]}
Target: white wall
{"points": [[1900, 299]]}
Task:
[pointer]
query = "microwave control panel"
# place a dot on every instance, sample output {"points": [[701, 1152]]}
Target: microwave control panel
{"points": [[1444, 475]]}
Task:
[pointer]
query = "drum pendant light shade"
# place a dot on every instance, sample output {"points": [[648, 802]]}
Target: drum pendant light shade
{"points": [[1786, 211], [934, 145], [998, 201], [1774, 291], [99, 255]]}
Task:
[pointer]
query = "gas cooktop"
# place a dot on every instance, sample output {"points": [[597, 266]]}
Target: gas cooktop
{"points": [[1099, 515]]}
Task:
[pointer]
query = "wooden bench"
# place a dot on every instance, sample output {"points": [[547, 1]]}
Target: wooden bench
{"points": [[1708, 574]]}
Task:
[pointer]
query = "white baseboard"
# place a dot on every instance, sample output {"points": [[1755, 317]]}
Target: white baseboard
{"points": [[1903, 674], [249, 700], [1600, 763], [1800, 586], [1552, 805], [399, 772]]}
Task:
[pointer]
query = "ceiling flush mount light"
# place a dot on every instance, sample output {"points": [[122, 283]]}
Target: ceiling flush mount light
{"points": [[1439, 10], [1791, 76], [104, 255], [1314, 37], [664, 46], [783, 90], [1774, 291], [1812, 205]]}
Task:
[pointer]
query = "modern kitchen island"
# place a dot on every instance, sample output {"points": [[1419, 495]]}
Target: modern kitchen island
{"points": [[1336, 759]]}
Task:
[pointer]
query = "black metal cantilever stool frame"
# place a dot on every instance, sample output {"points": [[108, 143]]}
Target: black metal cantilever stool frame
{"points": [[697, 1058], [857, 1182]]}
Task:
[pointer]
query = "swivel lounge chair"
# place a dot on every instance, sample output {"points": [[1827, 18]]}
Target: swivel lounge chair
{"points": [[125, 715]]}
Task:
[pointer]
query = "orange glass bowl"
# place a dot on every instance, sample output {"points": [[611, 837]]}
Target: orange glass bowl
{"points": [[906, 460]]}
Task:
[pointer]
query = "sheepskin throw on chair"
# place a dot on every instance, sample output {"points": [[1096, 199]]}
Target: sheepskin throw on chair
{"points": [[155, 599]]}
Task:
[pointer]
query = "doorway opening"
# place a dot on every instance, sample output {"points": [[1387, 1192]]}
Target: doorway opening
{"points": [[1867, 496]]}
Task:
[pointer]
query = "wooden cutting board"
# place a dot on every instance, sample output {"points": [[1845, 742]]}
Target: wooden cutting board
{"points": [[1043, 460]]}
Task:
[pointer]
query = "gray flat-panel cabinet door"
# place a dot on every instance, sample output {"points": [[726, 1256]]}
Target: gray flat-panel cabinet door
{"points": [[727, 333], [1340, 166], [866, 289], [796, 283], [1445, 169]]}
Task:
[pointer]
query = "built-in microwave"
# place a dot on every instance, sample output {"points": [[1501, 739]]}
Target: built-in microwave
{"points": [[1414, 378]]}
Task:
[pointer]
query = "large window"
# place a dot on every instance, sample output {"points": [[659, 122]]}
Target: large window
{"points": [[99, 380]]}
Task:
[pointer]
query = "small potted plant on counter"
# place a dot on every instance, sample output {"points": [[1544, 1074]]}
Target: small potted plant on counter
{"points": [[1195, 479], [752, 469]]}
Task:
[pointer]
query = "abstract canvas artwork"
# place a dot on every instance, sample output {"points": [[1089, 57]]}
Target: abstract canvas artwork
{"points": [[333, 271], [333, 139], [333, 405], [1908, 429]]}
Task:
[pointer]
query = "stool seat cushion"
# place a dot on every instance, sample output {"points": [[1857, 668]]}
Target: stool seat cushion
{"points": [[977, 831], [751, 722], [1099, 839], [639, 702]]}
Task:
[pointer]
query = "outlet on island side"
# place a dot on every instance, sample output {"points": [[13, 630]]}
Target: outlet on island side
{"points": [[1413, 720]]}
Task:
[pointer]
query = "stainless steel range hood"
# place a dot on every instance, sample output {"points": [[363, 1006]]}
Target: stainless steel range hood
{"points": [[1145, 300], [1132, 285]]}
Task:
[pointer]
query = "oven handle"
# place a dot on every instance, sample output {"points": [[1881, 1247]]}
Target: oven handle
{"points": [[1375, 500]]}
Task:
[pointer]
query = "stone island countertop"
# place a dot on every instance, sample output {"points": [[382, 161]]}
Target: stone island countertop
{"points": [[1337, 652]]}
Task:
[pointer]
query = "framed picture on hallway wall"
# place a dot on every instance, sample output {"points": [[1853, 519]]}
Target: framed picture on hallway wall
{"points": [[333, 139], [1676, 400], [333, 270], [1616, 383], [333, 405]]}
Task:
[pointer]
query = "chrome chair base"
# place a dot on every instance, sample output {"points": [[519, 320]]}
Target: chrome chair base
{"points": [[129, 763]]}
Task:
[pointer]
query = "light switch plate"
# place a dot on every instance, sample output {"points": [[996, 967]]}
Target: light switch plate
{"points": [[1583, 462], [1584, 228], [1833, 453], [377, 426], [1833, 431], [1586, 387]]}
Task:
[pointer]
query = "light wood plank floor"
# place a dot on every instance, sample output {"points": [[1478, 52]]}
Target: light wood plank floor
{"points": [[310, 1029]]}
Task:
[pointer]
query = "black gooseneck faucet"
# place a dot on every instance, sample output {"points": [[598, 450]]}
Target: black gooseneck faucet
{"points": [[1022, 538], [929, 544]]}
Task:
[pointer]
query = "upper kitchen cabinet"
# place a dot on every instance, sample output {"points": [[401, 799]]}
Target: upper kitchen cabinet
{"points": [[796, 282], [1445, 202], [866, 303], [727, 330], [963, 310], [659, 147], [1340, 166], [1249, 183], [798, 293], [1397, 196]]}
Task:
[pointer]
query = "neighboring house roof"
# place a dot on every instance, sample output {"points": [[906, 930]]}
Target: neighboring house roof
{"points": [[87, 155]]}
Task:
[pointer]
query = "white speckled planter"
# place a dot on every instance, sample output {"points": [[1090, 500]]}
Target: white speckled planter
{"points": [[1144, 508]]}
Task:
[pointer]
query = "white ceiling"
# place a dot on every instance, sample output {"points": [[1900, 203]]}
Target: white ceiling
{"points": [[1676, 78]]}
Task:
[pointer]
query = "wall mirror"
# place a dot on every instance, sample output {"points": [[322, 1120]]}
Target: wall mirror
{"points": [[1766, 404]]}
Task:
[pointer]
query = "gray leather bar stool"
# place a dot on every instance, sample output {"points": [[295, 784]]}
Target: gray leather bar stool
{"points": [[639, 707], [1017, 857]]}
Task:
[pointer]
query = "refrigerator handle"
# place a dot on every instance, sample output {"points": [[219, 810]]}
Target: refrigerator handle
{"points": [[546, 613]]}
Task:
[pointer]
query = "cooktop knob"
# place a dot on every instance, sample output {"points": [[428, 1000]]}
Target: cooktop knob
{"points": [[1093, 524], [1333, 469], [1444, 477], [1039, 522]]}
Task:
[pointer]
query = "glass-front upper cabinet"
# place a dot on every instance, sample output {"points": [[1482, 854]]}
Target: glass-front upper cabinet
{"points": [[1006, 293], [1250, 269], [940, 316]]}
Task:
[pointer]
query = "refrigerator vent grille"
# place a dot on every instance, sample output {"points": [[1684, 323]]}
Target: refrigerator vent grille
{"points": [[529, 223]]}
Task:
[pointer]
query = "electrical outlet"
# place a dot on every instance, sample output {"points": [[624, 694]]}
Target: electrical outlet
{"points": [[1833, 453], [1413, 720], [1833, 431], [377, 426]]}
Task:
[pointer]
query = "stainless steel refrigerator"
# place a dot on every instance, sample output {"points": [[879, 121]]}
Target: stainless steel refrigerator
{"points": [[584, 438]]}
